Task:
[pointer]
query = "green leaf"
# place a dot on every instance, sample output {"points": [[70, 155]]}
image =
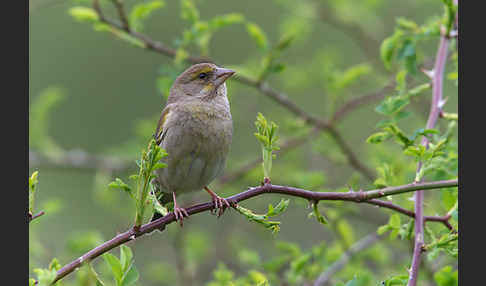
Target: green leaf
{"points": [[258, 35], [258, 218], [320, 218], [399, 280], [42, 108], [378, 137], [394, 221], [346, 232], [131, 276], [159, 165], [225, 20], [285, 41], [141, 11], [387, 50], [99, 282], [446, 277], [31, 282], [280, 208], [382, 229], [419, 89], [84, 14], [391, 105], [157, 206], [54, 265], [115, 266], [407, 24], [45, 276], [33, 181], [126, 257], [189, 11], [249, 257], [118, 183], [415, 151]]}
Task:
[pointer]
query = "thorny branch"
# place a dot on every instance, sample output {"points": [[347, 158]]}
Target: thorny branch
{"points": [[357, 197], [435, 110]]}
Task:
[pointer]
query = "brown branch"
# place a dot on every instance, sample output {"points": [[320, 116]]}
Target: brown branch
{"points": [[357, 197], [397, 208], [354, 103], [362, 244], [31, 217], [370, 45], [121, 13]]}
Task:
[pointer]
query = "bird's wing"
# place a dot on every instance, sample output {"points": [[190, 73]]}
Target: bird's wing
{"points": [[161, 129]]}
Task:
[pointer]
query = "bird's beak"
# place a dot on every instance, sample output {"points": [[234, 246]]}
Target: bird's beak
{"points": [[222, 75]]}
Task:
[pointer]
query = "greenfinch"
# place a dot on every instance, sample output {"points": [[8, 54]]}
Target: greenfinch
{"points": [[195, 129]]}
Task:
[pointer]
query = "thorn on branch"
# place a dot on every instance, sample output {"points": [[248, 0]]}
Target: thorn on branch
{"points": [[428, 73], [31, 217]]}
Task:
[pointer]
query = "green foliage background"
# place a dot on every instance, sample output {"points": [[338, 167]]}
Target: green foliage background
{"points": [[93, 92]]}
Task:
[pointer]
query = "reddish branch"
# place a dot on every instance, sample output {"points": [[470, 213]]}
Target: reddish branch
{"points": [[31, 217], [435, 109], [357, 197]]}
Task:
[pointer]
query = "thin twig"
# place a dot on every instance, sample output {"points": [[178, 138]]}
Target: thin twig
{"points": [[354, 103], [121, 13], [31, 217], [362, 244], [79, 159], [357, 197]]}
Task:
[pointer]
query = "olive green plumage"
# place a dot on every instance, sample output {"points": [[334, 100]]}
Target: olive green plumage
{"points": [[195, 128]]}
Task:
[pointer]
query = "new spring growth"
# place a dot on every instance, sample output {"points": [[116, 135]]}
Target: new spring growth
{"points": [[32, 188], [262, 219], [149, 162], [268, 139]]}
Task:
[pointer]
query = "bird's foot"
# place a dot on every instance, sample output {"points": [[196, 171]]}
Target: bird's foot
{"points": [[179, 215], [218, 202], [221, 204]]}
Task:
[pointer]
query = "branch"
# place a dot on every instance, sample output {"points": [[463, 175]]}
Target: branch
{"points": [[121, 13], [358, 101], [357, 197], [31, 217], [366, 40], [79, 159], [435, 110], [359, 246], [397, 208]]}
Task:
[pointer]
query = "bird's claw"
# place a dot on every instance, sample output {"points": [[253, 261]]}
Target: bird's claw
{"points": [[221, 204], [179, 215]]}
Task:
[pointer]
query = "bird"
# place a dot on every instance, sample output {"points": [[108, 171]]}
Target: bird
{"points": [[195, 129]]}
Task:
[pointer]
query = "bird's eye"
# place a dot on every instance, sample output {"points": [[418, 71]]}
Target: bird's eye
{"points": [[203, 75]]}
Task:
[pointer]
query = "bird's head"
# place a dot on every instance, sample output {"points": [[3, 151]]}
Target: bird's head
{"points": [[204, 81]]}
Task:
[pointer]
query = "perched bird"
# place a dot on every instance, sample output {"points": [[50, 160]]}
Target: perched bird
{"points": [[195, 128]]}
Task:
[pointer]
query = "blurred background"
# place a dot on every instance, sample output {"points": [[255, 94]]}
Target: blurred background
{"points": [[95, 99]]}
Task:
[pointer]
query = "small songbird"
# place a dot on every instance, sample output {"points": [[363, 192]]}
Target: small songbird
{"points": [[195, 129]]}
